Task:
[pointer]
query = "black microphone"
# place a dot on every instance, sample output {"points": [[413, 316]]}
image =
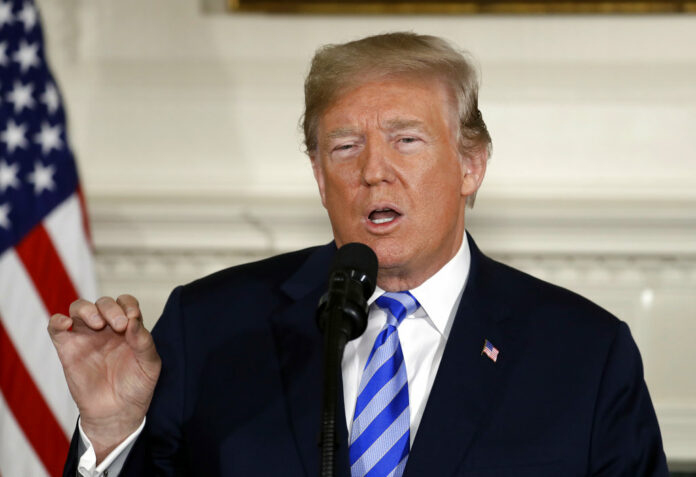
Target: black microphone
{"points": [[352, 281], [342, 316]]}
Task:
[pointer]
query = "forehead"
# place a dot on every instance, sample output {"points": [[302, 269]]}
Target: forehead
{"points": [[398, 102]]}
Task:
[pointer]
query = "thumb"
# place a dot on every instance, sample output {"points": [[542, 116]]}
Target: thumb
{"points": [[141, 342]]}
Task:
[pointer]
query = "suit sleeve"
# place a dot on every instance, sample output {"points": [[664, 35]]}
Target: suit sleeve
{"points": [[625, 437], [70, 467], [161, 443]]}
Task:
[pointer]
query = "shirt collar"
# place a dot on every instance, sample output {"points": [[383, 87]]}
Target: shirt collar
{"points": [[439, 294]]}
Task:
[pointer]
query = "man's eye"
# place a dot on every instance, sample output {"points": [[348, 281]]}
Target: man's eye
{"points": [[408, 140], [343, 147], [345, 151]]}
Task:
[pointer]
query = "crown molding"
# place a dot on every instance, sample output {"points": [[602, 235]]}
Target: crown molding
{"points": [[522, 226]]}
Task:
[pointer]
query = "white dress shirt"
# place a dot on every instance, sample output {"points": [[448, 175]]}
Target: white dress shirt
{"points": [[423, 336], [112, 465]]}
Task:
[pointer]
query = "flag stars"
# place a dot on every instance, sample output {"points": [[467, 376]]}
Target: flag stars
{"points": [[3, 53], [5, 13], [49, 138], [27, 55], [21, 96], [4, 213], [13, 136], [28, 16], [8, 175], [42, 177], [50, 98]]}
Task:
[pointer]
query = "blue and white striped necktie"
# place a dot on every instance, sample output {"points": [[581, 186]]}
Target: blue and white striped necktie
{"points": [[380, 436]]}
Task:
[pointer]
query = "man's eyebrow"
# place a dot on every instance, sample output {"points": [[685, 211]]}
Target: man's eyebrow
{"points": [[396, 124], [390, 125], [341, 132]]}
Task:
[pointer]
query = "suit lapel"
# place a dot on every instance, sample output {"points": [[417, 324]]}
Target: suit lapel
{"points": [[300, 348], [468, 384], [466, 389]]}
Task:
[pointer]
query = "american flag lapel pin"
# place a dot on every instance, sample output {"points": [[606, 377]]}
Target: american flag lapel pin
{"points": [[490, 351]]}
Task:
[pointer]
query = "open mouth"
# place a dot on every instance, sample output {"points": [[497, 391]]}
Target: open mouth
{"points": [[383, 216]]}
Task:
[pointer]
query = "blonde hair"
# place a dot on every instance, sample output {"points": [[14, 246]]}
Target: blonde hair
{"points": [[337, 68]]}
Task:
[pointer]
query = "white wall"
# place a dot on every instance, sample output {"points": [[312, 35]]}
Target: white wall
{"points": [[184, 122]]}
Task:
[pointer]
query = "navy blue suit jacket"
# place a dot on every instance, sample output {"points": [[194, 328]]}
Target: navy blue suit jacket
{"points": [[240, 389]]}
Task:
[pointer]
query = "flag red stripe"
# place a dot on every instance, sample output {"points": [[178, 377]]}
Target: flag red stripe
{"points": [[29, 408], [85, 216], [46, 270]]}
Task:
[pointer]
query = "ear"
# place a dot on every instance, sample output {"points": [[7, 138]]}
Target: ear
{"points": [[318, 176], [473, 169]]}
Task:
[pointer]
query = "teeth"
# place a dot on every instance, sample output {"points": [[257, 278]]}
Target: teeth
{"points": [[382, 221]]}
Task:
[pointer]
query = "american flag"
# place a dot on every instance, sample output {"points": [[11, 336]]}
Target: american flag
{"points": [[490, 350], [45, 252]]}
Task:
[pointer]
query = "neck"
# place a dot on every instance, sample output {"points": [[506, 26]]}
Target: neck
{"points": [[400, 278]]}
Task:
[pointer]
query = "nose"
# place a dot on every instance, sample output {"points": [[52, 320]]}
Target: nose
{"points": [[376, 164]]}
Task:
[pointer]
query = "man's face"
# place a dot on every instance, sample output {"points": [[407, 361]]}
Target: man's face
{"points": [[391, 176]]}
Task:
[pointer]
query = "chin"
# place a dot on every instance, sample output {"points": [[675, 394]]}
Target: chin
{"points": [[389, 250], [388, 255]]}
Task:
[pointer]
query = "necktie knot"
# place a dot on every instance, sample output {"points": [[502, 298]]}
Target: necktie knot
{"points": [[398, 305]]}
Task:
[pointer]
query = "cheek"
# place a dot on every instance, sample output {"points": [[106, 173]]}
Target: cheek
{"points": [[340, 201], [439, 195], [341, 183], [443, 180]]}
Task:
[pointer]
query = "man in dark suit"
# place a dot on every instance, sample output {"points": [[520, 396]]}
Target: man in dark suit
{"points": [[467, 367]]}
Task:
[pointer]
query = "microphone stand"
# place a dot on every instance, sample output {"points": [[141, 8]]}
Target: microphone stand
{"points": [[342, 317], [334, 344]]}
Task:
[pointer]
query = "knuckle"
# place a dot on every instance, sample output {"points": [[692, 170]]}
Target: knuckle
{"points": [[129, 305], [78, 306], [127, 297], [52, 322], [127, 301], [55, 324], [103, 301]]}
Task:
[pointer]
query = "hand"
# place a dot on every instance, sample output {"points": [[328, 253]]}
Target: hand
{"points": [[111, 366]]}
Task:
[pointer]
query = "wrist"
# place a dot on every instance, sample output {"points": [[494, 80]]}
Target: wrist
{"points": [[105, 434]]}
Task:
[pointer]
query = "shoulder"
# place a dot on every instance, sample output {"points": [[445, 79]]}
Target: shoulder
{"points": [[548, 309], [552, 331], [267, 275], [229, 302], [235, 293]]}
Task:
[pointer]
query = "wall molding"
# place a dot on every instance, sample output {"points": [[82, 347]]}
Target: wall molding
{"points": [[678, 426], [266, 224]]}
